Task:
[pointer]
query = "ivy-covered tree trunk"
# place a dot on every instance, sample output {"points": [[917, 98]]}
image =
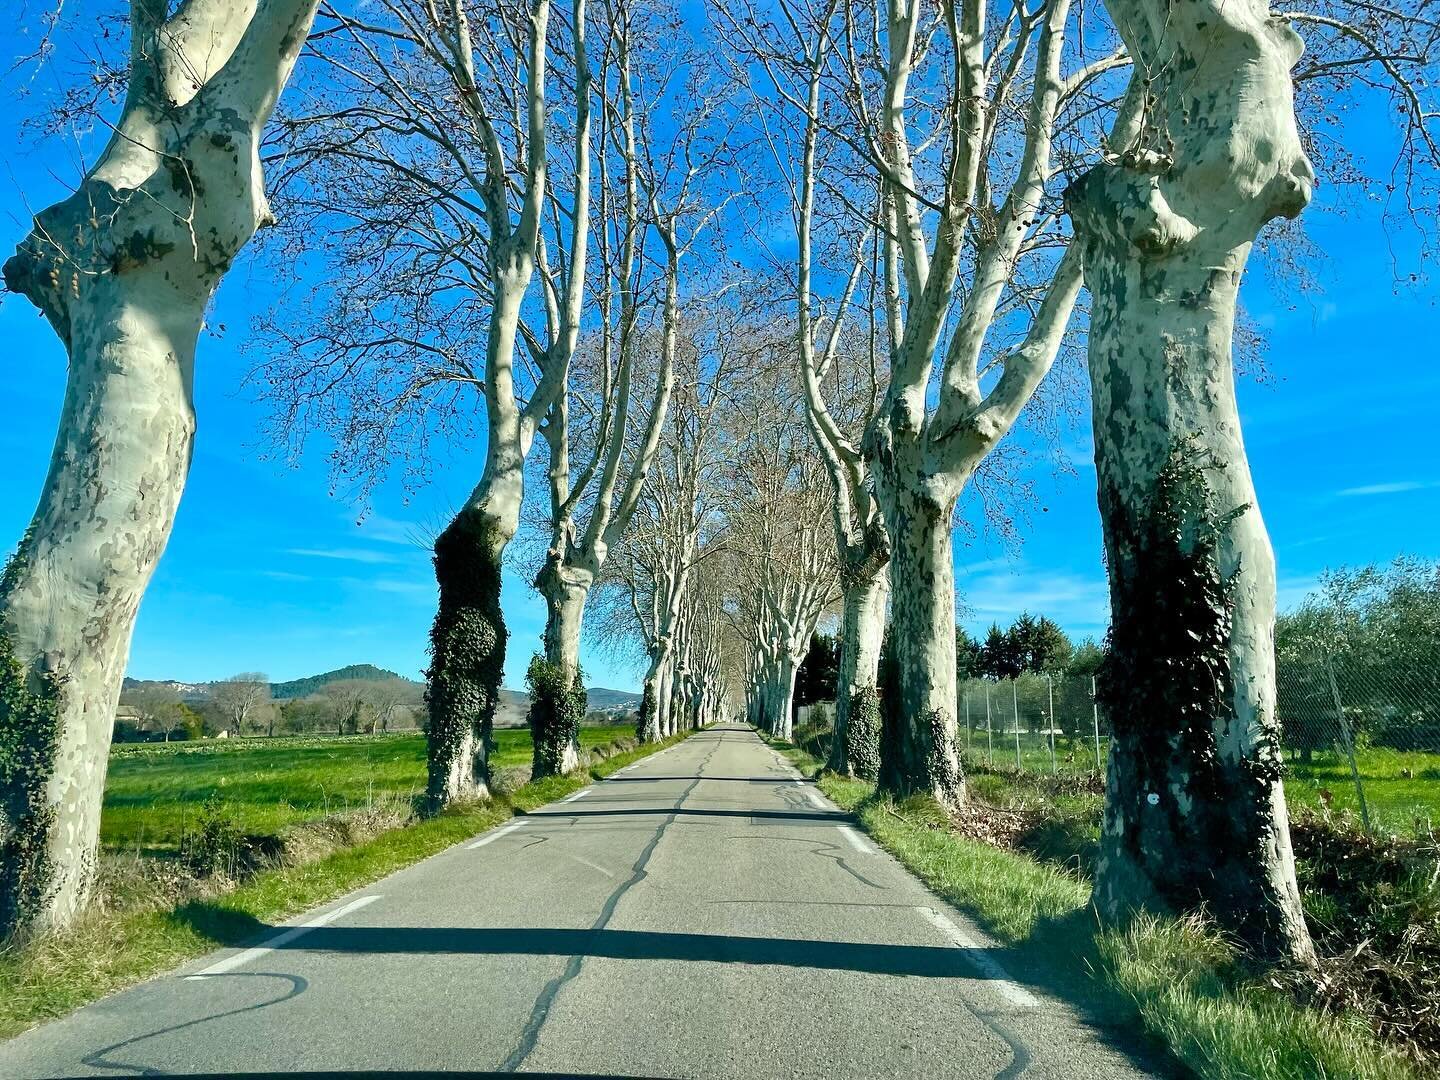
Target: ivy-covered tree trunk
{"points": [[557, 745], [557, 705], [1195, 816], [123, 270], [646, 723], [467, 657], [922, 615], [862, 629]]}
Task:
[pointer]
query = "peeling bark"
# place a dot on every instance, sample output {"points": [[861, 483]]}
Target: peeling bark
{"points": [[1195, 815], [862, 628], [123, 270], [922, 616]]}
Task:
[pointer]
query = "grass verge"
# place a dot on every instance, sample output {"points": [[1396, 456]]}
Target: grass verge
{"points": [[1185, 982], [107, 951]]}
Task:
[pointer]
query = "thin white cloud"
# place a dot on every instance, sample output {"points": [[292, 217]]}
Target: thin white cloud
{"points": [[285, 575], [1074, 601], [360, 555], [386, 530], [403, 588], [1393, 488], [970, 569]]}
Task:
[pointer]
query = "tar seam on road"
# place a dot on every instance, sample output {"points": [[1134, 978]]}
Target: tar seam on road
{"points": [[541, 1009], [240, 959], [96, 1060]]}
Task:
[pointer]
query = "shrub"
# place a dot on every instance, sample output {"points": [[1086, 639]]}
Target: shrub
{"points": [[217, 846]]}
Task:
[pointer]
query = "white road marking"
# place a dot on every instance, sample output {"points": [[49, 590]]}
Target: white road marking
{"points": [[577, 795], [230, 963], [490, 838], [815, 800], [996, 975], [853, 839]]}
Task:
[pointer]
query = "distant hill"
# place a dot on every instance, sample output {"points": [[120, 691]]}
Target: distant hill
{"points": [[313, 684], [603, 700], [513, 706]]}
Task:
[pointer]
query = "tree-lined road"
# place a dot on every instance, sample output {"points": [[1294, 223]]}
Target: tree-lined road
{"points": [[703, 913]]}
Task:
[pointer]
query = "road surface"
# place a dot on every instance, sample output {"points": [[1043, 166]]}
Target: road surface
{"points": [[704, 913]]}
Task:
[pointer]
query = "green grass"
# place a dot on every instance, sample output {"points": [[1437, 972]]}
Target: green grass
{"points": [[106, 951], [1182, 980], [1397, 802], [154, 793], [1402, 788]]}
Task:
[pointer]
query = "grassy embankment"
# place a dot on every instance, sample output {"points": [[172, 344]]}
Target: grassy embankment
{"points": [[1031, 891], [111, 949]]}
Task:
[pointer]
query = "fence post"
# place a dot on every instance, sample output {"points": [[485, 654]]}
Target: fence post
{"points": [[1095, 709], [1015, 705], [1050, 724], [989, 729], [1349, 740]]}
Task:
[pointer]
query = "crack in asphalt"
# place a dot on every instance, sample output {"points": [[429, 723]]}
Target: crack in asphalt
{"points": [[96, 1059], [540, 1012], [816, 847]]}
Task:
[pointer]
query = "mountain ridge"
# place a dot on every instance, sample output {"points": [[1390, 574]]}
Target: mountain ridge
{"points": [[602, 699]]}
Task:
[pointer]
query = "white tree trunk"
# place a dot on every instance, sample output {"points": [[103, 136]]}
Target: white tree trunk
{"points": [[123, 270], [781, 697], [1195, 814], [72, 592], [857, 752], [924, 756]]}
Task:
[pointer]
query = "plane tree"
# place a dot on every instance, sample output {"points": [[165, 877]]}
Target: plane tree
{"points": [[645, 582], [423, 172], [1165, 224], [123, 268], [787, 62], [780, 552]]}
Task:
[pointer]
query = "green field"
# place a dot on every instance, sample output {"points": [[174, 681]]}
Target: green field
{"points": [[1402, 789], [153, 793]]}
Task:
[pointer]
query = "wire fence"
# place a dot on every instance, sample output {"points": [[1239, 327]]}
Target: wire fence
{"points": [[1359, 734], [1363, 734], [1041, 723]]}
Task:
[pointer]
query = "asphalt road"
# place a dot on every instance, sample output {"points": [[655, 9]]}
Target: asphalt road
{"points": [[705, 913]]}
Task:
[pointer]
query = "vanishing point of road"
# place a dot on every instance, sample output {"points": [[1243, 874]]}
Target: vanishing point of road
{"points": [[703, 913]]}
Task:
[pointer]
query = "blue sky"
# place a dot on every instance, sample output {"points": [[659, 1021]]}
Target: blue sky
{"points": [[266, 571]]}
